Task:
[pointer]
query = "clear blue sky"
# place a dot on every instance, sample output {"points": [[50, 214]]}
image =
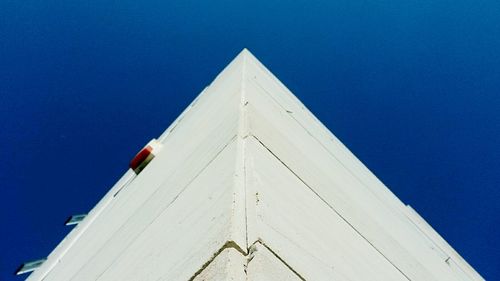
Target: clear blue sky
{"points": [[411, 87]]}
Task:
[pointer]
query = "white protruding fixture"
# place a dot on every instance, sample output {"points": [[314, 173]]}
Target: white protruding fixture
{"points": [[29, 266], [75, 219], [249, 185]]}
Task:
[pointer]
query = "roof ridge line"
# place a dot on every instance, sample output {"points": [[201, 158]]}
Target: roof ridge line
{"points": [[238, 228]]}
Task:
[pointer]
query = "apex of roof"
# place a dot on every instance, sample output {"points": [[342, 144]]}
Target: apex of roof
{"points": [[249, 185]]}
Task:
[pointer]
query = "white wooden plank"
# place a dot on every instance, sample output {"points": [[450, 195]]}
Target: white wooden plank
{"points": [[389, 231], [260, 77], [302, 229], [186, 234], [189, 146]]}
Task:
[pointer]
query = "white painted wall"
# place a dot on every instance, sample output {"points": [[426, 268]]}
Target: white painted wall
{"points": [[247, 165]]}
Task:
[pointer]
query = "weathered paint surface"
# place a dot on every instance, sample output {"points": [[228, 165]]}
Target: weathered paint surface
{"points": [[249, 185]]}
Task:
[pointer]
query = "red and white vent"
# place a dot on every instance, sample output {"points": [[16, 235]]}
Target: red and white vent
{"points": [[142, 159]]}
